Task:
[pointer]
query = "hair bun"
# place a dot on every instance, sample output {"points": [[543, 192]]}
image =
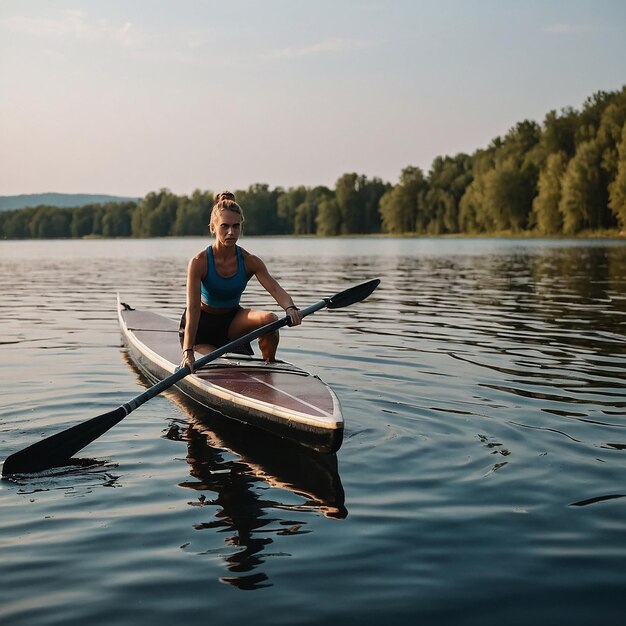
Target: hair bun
{"points": [[225, 195]]}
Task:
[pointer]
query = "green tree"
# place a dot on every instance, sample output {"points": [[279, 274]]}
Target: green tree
{"points": [[348, 201], [328, 218], [448, 179], [512, 184], [117, 219], [155, 214], [583, 200], [98, 214], [51, 223], [558, 135], [288, 203], [401, 207], [609, 137], [260, 207], [508, 197], [613, 119], [546, 216], [473, 217], [193, 214], [305, 219], [617, 188], [358, 202], [16, 223], [371, 192], [82, 221], [590, 116], [504, 182]]}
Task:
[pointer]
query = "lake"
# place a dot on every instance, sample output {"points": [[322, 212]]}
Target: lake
{"points": [[481, 480]]}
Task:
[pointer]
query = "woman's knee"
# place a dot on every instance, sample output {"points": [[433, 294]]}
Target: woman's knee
{"points": [[269, 317]]}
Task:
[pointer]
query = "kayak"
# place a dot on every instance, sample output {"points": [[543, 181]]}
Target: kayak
{"points": [[278, 397]]}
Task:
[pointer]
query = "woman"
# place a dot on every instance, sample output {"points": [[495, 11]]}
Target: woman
{"points": [[216, 278]]}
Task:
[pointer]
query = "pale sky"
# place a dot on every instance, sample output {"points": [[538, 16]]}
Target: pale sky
{"points": [[125, 97]]}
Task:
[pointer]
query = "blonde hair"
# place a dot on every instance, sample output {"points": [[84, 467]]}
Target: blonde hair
{"points": [[224, 201]]}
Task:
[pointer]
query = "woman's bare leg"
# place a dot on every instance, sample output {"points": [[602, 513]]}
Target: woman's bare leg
{"points": [[246, 321]]}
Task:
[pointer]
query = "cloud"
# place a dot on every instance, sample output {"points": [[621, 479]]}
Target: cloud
{"points": [[78, 27], [571, 29], [334, 45], [72, 25]]}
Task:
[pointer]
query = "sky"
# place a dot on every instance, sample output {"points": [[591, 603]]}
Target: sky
{"points": [[126, 97]]}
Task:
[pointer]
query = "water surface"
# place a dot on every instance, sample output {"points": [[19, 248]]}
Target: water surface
{"points": [[481, 479]]}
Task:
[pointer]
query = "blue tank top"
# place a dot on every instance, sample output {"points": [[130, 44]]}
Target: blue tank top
{"points": [[220, 292]]}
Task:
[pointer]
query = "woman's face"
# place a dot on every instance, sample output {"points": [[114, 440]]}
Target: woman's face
{"points": [[227, 227]]}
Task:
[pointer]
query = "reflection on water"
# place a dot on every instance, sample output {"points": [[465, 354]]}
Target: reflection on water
{"points": [[252, 520]]}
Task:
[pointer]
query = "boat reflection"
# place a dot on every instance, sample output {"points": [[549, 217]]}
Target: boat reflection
{"points": [[238, 463], [262, 484]]}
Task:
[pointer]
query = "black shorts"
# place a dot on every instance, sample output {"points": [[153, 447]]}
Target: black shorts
{"points": [[213, 330]]}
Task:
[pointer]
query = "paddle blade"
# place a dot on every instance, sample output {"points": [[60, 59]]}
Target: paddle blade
{"points": [[352, 295], [56, 451]]}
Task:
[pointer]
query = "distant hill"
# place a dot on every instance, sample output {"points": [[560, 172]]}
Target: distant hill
{"points": [[8, 203]]}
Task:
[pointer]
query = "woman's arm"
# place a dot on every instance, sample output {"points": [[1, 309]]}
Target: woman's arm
{"points": [[256, 266], [195, 272]]}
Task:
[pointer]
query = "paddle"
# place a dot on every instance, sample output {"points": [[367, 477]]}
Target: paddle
{"points": [[57, 449]]}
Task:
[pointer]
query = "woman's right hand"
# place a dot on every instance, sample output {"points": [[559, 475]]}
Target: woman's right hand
{"points": [[188, 360]]}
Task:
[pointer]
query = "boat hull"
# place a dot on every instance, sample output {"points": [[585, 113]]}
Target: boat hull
{"points": [[277, 397]]}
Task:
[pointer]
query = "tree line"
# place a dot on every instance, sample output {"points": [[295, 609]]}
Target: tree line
{"points": [[565, 176]]}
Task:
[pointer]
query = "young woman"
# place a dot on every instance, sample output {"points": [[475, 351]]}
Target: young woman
{"points": [[216, 278]]}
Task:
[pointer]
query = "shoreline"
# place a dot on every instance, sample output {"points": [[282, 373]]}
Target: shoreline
{"points": [[613, 234]]}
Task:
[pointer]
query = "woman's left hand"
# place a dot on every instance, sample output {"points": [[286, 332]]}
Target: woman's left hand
{"points": [[188, 360]]}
